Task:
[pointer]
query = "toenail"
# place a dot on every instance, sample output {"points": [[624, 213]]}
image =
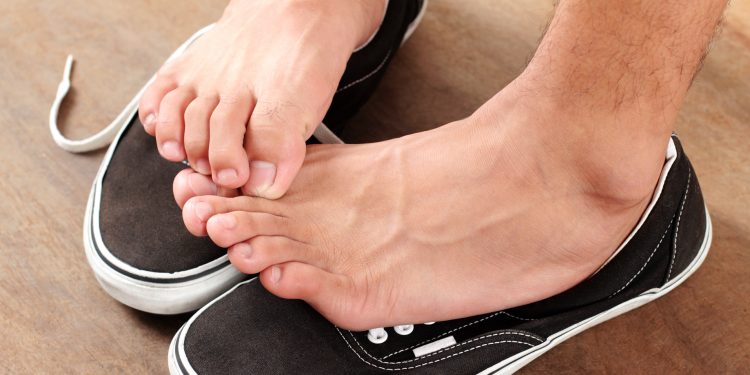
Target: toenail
{"points": [[244, 249], [275, 274], [171, 149], [150, 120], [202, 167], [228, 221], [200, 185], [226, 176], [262, 175], [203, 210]]}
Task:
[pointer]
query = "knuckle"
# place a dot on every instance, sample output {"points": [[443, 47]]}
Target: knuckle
{"points": [[274, 111], [172, 98], [251, 221], [196, 106], [194, 146], [265, 244], [221, 154], [283, 116], [222, 119], [192, 114], [230, 99], [164, 122], [217, 118]]}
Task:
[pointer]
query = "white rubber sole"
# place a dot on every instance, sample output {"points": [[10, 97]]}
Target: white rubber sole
{"points": [[178, 341], [516, 362], [164, 295], [174, 367]]}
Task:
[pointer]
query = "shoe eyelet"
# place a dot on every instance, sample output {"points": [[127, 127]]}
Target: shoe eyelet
{"points": [[404, 330], [377, 335]]}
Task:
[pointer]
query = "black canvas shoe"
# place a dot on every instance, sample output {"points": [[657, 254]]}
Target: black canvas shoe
{"points": [[248, 330], [134, 236]]}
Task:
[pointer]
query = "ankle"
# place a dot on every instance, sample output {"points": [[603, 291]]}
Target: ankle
{"points": [[596, 152]]}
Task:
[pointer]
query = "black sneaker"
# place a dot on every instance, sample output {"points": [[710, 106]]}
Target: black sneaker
{"points": [[134, 236], [248, 330]]}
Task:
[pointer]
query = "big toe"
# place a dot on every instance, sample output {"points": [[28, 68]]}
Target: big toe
{"points": [[332, 295], [276, 150]]}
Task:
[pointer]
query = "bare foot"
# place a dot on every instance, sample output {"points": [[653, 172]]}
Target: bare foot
{"points": [[240, 103], [520, 201], [506, 207]]}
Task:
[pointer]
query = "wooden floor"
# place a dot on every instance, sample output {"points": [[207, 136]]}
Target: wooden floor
{"points": [[55, 318]]}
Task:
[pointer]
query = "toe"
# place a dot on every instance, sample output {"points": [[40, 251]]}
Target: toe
{"points": [[275, 144], [170, 125], [228, 159], [261, 252], [195, 214], [198, 210], [197, 117], [148, 108], [230, 228], [333, 295], [188, 184]]}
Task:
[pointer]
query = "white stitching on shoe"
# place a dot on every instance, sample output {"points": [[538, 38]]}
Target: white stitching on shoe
{"points": [[368, 75], [442, 334], [647, 260], [453, 330], [518, 317], [431, 362], [516, 333], [677, 226], [684, 198]]}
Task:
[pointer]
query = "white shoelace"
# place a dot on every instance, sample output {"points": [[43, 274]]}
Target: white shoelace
{"points": [[380, 335], [105, 136]]}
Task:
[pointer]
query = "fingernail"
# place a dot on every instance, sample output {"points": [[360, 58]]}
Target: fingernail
{"points": [[226, 176], [244, 249], [201, 166], [171, 150], [262, 175], [228, 221], [201, 185], [203, 210], [275, 274]]}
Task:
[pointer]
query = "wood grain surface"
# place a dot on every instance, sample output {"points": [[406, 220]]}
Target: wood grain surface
{"points": [[54, 318]]}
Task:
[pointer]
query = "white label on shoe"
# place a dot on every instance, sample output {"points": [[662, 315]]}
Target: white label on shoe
{"points": [[434, 346]]}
